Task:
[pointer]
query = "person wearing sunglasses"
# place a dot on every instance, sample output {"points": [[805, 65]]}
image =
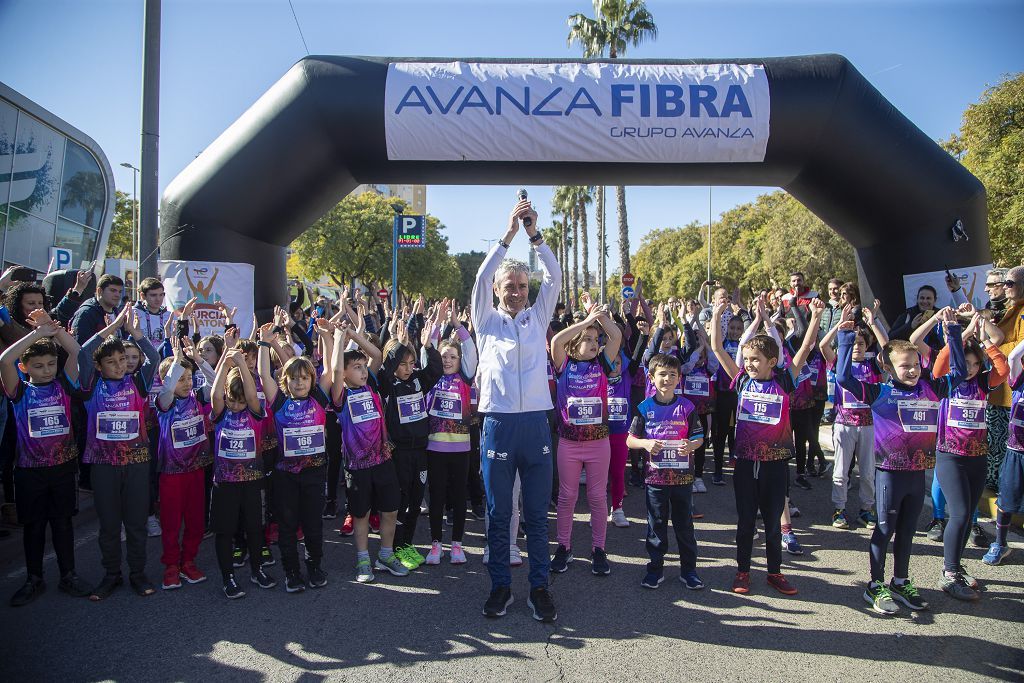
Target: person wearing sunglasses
{"points": [[995, 288], [997, 415]]}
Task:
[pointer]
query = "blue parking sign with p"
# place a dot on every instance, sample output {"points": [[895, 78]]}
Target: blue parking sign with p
{"points": [[411, 232], [60, 258]]}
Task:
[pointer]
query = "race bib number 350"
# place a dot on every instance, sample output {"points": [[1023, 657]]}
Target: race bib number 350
{"points": [[585, 410]]}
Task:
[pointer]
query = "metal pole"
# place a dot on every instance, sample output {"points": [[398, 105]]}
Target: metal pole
{"points": [[709, 237], [135, 219], [148, 224], [394, 263]]}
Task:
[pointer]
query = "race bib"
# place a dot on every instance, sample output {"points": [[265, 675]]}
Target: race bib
{"points": [[410, 408], [237, 444], [117, 425], [671, 457], [447, 405], [48, 421], [850, 401], [618, 409], [187, 432], [585, 410], [361, 408], [263, 401], [808, 372], [965, 413], [1017, 415], [919, 416], [154, 391], [300, 441], [697, 385], [760, 408]]}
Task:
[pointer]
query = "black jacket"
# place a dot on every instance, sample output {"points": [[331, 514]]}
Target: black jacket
{"points": [[393, 391]]}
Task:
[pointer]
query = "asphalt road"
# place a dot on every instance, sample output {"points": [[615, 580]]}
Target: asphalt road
{"points": [[429, 627]]}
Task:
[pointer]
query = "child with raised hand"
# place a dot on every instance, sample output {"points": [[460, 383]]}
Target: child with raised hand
{"points": [[905, 411], [723, 418], [960, 459], [183, 452], [667, 428], [582, 367], [237, 469], [665, 338], [448, 444], [853, 432], [118, 449], [764, 442], [46, 453], [1011, 473], [298, 400], [620, 394], [371, 481], [403, 388], [699, 389]]}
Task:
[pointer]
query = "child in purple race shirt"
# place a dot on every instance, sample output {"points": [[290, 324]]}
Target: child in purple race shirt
{"points": [[46, 453], [905, 412], [764, 442]]}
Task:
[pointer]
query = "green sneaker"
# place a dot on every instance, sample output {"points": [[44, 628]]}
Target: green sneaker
{"points": [[364, 572], [878, 596], [415, 555], [839, 519], [868, 518], [392, 564], [407, 560], [907, 594]]}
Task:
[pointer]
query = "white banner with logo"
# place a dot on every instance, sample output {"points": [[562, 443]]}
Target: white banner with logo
{"points": [[972, 280], [210, 282], [647, 113]]}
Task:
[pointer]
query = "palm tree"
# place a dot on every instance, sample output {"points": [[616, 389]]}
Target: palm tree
{"points": [[618, 24], [601, 250], [563, 203], [584, 196]]}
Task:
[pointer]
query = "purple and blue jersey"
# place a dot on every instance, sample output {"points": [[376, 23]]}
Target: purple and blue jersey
{"points": [[42, 415]]}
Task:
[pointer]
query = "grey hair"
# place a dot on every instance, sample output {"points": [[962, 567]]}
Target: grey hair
{"points": [[511, 266], [996, 272], [1016, 274]]}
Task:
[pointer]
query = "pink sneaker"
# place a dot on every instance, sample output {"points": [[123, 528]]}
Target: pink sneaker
{"points": [[458, 556], [434, 556]]}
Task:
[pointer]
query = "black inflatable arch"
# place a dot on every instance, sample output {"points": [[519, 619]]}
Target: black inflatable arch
{"points": [[836, 145]]}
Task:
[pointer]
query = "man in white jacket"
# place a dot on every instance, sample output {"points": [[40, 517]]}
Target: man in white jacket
{"points": [[514, 397]]}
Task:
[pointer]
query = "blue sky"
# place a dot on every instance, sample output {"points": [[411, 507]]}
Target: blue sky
{"points": [[82, 60]]}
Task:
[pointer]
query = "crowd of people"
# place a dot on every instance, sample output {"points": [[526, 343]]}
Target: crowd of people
{"points": [[499, 411]]}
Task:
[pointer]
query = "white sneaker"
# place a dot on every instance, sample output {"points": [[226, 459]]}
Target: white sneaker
{"points": [[618, 518], [153, 526], [515, 556], [434, 556], [457, 555], [698, 486], [794, 511]]}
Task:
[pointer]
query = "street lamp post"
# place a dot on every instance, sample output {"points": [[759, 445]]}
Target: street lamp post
{"points": [[135, 222], [399, 209]]}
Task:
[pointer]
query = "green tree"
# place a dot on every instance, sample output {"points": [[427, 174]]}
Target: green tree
{"points": [[616, 25], [353, 240], [469, 264], [120, 242], [563, 204], [990, 145]]}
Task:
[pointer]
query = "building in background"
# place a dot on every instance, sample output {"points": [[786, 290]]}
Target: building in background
{"points": [[56, 187], [413, 195]]}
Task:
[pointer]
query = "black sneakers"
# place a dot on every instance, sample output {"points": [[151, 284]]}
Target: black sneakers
{"points": [[599, 563], [542, 605], [72, 584], [262, 579], [498, 602], [330, 509], [317, 577], [141, 584], [231, 588], [294, 583], [107, 586], [562, 559], [33, 588]]}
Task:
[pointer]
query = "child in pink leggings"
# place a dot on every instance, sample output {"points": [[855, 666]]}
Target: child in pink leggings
{"points": [[582, 395], [620, 385]]}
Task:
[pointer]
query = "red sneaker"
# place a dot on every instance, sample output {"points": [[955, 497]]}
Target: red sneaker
{"points": [[375, 522], [346, 528], [741, 584], [299, 536], [171, 580], [190, 572], [271, 533], [779, 583]]}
